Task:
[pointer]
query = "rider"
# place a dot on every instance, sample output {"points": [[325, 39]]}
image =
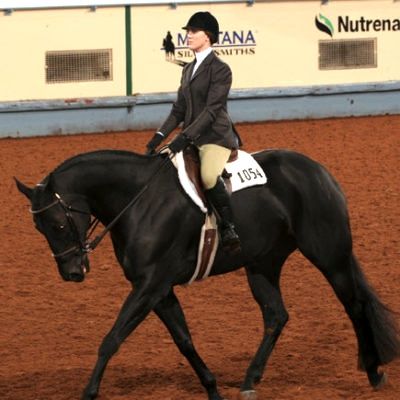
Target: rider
{"points": [[202, 106]]}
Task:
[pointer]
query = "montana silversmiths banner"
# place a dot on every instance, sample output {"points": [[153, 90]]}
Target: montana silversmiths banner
{"points": [[237, 42]]}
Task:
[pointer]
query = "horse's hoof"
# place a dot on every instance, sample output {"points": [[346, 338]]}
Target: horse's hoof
{"points": [[248, 395], [382, 381], [88, 395]]}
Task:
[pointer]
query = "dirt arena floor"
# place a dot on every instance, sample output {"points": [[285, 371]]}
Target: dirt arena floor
{"points": [[50, 330]]}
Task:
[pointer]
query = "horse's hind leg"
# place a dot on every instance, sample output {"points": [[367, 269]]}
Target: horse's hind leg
{"points": [[170, 312], [264, 283]]}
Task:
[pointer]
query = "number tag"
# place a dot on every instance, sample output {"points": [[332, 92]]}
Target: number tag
{"points": [[245, 172], [249, 174]]}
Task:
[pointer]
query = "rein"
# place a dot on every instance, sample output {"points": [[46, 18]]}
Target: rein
{"points": [[88, 246]]}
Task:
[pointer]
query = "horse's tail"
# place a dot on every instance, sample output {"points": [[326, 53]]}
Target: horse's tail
{"points": [[380, 319]]}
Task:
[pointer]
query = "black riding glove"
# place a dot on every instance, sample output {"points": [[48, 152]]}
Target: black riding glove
{"points": [[154, 143], [179, 143]]}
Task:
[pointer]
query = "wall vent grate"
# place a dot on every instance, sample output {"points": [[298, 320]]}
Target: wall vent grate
{"points": [[347, 54], [78, 66]]}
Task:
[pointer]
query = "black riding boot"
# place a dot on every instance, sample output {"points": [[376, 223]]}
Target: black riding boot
{"points": [[220, 201]]}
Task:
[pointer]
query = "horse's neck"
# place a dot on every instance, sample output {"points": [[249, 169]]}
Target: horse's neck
{"points": [[107, 179]]}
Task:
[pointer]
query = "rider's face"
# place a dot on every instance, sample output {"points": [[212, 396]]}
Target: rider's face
{"points": [[198, 40]]}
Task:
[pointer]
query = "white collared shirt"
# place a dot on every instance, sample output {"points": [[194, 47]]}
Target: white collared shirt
{"points": [[200, 56]]}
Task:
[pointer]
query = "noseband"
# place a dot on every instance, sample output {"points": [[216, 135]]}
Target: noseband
{"points": [[81, 247]]}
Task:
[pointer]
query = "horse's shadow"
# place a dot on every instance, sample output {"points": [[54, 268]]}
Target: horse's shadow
{"points": [[67, 384], [122, 380]]}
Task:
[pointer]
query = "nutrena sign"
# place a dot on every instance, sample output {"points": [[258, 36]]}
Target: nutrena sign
{"points": [[346, 24]]}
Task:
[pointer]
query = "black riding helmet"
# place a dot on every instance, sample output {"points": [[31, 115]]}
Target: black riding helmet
{"points": [[206, 22]]}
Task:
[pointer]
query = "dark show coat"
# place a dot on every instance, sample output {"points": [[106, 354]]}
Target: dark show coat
{"points": [[202, 105]]}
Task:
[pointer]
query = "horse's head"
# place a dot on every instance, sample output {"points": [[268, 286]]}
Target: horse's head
{"points": [[64, 221]]}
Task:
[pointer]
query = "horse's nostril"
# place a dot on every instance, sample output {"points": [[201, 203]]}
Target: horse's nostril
{"points": [[76, 277]]}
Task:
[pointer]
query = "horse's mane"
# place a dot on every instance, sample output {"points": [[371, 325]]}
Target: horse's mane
{"points": [[97, 155]]}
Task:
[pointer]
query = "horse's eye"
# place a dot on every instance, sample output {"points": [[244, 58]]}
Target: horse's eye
{"points": [[57, 227]]}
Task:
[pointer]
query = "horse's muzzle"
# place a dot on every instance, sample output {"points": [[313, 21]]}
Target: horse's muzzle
{"points": [[77, 273], [75, 277]]}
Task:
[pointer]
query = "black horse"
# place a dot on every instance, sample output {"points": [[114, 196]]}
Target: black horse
{"points": [[155, 239]]}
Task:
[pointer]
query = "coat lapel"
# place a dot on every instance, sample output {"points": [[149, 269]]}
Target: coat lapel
{"points": [[189, 71], [203, 65]]}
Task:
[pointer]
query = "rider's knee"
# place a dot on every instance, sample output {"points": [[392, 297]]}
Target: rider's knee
{"points": [[209, 179]]}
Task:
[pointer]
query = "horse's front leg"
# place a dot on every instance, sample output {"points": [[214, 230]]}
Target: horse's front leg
{"points": [[136, 307], [170, 312]]}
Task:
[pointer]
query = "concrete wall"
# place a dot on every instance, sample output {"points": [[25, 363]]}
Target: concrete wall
{"points": [[33, 118]]}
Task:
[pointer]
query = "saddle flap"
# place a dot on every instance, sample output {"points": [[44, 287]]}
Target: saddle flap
{"points": [[192, 167]]}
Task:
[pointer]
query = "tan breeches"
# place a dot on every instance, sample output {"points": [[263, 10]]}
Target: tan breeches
{"points": [[213, 159]]}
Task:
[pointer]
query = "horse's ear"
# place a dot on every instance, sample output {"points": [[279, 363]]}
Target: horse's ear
{"points": [[50, 183], [27, 191]]}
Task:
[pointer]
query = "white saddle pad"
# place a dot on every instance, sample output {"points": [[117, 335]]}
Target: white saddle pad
{"points": [[245, 171]]}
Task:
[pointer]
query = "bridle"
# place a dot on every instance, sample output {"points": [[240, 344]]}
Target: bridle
{"points": [[81, 247], [86, 246]]}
